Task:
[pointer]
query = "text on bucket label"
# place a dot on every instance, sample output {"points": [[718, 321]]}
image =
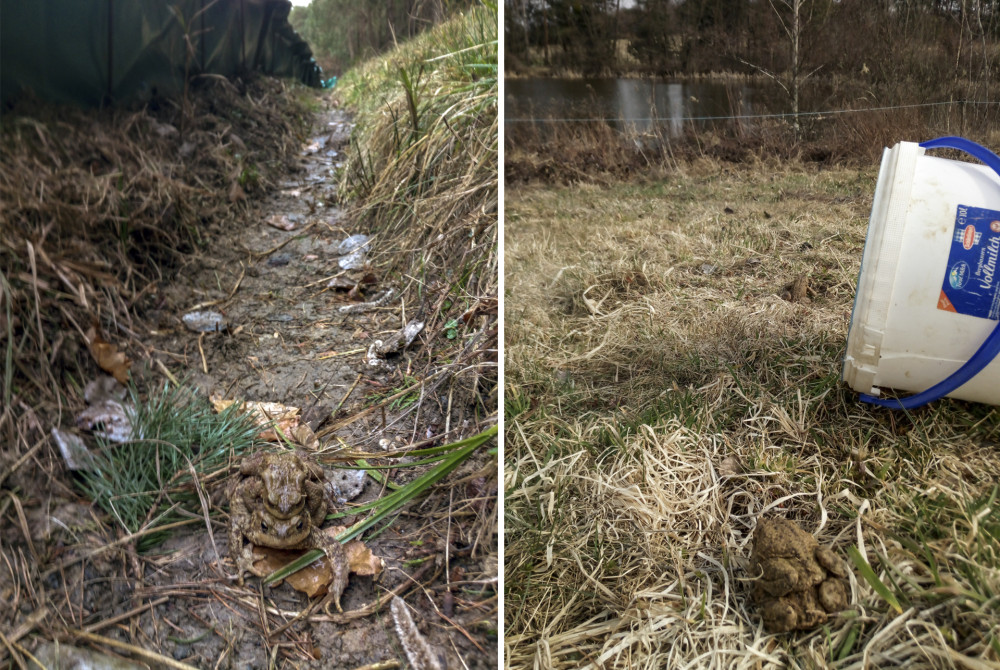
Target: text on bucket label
{"points": [[971, 279]]}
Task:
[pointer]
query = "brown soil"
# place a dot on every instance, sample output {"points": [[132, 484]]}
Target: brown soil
{"points": [[287, 342]]}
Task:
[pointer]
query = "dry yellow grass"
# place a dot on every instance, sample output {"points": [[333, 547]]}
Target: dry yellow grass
{"points": [[661, 396]]}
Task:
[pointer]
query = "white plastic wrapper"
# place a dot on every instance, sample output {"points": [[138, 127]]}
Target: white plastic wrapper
{"points": [[344, 485], [352, 243], [205, 322]]}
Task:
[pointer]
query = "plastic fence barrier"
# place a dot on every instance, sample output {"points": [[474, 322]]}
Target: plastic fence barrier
{"points": [[108, 51]]}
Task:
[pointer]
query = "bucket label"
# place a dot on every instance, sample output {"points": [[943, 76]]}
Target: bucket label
{"points": [[971, 281]]}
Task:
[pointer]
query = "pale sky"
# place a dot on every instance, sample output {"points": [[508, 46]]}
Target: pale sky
{"points": [[301, 3]]}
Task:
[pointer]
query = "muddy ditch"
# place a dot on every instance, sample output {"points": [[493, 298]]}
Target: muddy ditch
{"points": [[298, 320]]}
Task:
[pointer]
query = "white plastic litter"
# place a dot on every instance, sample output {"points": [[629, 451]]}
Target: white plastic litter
{"points": [[205, 322]]}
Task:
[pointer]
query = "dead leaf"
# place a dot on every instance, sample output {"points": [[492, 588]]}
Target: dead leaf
{"points": [[314, 579], [730, 466], [362, 561], [107, 355], [487, 306], [271, 415], [302, 434], [281, 222]]}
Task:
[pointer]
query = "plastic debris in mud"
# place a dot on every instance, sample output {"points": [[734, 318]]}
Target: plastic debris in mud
{"points": [[351, 243], [315, 145], [75, 453], [342, 283], [365, 306], [353, 261], [404, 338], [354, 251], [164, 129], [108, 415], [345, 484], [205, 322]]}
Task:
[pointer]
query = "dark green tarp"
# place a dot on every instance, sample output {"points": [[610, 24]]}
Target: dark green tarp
{"points": [[107, 51]]}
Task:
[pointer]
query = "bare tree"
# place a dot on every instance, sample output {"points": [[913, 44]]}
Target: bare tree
{"points": [[793, 21]]}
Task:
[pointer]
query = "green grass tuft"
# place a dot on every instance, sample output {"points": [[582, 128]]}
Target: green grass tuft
{"points": [[143, 484]]}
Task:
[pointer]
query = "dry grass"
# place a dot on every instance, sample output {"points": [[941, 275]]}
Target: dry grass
{"points": [[100, 207], [422, 173], [98, 210], [601, 150], [661, 397]]}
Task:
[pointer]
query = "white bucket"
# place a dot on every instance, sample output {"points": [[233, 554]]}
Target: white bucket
{"points": [[928, 296]]}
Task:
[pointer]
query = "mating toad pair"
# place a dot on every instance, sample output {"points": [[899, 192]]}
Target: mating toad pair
{"points": [[280, 501]]}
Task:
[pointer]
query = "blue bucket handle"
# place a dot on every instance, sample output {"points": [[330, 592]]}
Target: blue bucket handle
{"points": [[991, 346]]}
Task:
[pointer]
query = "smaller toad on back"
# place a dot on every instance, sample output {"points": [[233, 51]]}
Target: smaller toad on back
{"points": [[279, 501], [799, 582]]}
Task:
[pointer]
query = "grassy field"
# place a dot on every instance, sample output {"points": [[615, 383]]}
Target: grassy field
{"points": [[662, 395]]}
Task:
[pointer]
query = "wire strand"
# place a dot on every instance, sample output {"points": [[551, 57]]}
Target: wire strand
{"points": [[675, 119]]}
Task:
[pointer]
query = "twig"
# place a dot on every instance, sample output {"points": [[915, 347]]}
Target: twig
{"points": [[363, 413], [38, 301], [7, 472], [126, 615], [204, 363], [27, 625], [117, 543], [165, 371], [24, 525], [342, 400], [298, 234], [323, 357], [236, 286], [380, 602]]}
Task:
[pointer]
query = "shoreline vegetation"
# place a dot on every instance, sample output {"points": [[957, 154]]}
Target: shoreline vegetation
{"points": [[603, 150], [819, 56]]}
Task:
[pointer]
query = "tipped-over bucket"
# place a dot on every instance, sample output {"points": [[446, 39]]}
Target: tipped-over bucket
{"points": [[926, 315]]}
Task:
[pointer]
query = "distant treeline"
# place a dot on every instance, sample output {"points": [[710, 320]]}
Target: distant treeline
{"points": [[344, 32], [919, 41]]}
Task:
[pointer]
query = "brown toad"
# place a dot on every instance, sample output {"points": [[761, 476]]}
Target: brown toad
{"points": [[799, 582], [279, 501]]}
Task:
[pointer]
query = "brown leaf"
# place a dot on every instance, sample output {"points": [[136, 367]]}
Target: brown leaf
{"points": [[314, 579], [285, 417], [487, 306], [107, 355], [281, 222], [361, 559], [302, 434]]}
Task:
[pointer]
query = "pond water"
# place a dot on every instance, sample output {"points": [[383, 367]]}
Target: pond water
{"points": [[642, 104]]}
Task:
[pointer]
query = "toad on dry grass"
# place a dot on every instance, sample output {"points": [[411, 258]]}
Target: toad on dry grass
{"points": [[799, 583], [279, 501], [799, 290]]}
